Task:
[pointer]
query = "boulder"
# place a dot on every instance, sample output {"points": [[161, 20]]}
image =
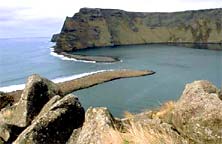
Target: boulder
{"points": [[55, 123], [198, 113], [36, 94], [97, 122]]}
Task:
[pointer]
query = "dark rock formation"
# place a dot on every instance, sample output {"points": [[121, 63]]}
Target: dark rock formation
{"points": [[55, 123], [109, 27], [8, 133], [55, 37], [37, 92], [5, 100], [198, 113]]}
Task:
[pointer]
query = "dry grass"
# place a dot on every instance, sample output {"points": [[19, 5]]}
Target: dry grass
{"points": [[137, 134], [164, 110], [128, 115]]}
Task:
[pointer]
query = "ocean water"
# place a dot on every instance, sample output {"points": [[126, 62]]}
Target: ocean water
{"points": [[174, 66]]}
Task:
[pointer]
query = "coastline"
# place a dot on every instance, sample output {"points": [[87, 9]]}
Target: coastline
{"points": [[83, 58], [89, 80], [96, 59], [107, 59]]}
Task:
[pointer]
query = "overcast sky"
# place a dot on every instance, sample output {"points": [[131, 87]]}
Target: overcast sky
{"points": [[42, 18]]}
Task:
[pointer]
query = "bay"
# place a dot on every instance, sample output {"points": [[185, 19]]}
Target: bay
{"points": [[174, 66]]}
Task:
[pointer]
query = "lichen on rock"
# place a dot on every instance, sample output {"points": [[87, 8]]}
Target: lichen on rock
{"points": [[55, 123], [37, 92], [198, 113]]}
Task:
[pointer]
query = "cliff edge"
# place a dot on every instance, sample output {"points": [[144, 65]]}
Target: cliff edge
{"points": [[109, 27]]}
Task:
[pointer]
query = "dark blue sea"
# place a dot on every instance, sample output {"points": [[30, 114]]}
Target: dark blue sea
{"points": [[174, 66]]}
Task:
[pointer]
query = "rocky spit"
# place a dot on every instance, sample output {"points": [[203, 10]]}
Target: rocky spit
{"points": [[45, 115], [97, 59], [83, 82]]}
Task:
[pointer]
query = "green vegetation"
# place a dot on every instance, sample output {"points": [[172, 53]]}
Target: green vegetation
{"points": [[107, 27]]}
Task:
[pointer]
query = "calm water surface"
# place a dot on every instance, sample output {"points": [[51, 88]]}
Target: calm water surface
{"points": [[174, 67]]}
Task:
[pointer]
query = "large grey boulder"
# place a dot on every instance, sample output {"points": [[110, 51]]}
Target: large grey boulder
{"points": [[55, 123], [38, 91], [97, 122], [198, 113]]}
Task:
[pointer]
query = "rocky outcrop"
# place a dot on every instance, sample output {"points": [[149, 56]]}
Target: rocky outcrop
{"points": [[5, 100], [109, 27], [198, 113], [55, 123], [37, 92], [97, 122], [195, 118]]}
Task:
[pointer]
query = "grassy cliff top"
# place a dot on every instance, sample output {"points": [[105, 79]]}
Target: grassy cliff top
{"points": [[107, 27]]}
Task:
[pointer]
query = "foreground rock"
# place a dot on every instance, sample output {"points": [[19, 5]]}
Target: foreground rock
{"points": [[37, 92], [44, 114], [97, 122], [55, 123], [5, 100], [8, 133], [198, 113]]}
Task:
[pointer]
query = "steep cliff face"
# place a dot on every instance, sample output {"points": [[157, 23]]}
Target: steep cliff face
{"points": [[109, 27]]}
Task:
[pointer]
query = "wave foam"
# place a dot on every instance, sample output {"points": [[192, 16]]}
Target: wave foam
{"points": [[62, 57], [12, 88], [56, 80]]}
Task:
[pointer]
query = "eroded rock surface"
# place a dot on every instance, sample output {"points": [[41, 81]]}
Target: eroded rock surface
{"points": [[55, 123], [198, 113], [5, 100], [97, 122], [37, 92]]}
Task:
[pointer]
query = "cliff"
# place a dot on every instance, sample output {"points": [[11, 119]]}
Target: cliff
{"points": [[46, 115], [109, 27]]}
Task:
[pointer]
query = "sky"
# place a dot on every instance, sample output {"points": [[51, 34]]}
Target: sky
{"points": [[42, 18]]}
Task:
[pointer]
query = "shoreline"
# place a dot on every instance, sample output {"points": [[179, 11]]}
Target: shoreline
{"points": [[83, 58], [108, 59], [96, 59]]}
